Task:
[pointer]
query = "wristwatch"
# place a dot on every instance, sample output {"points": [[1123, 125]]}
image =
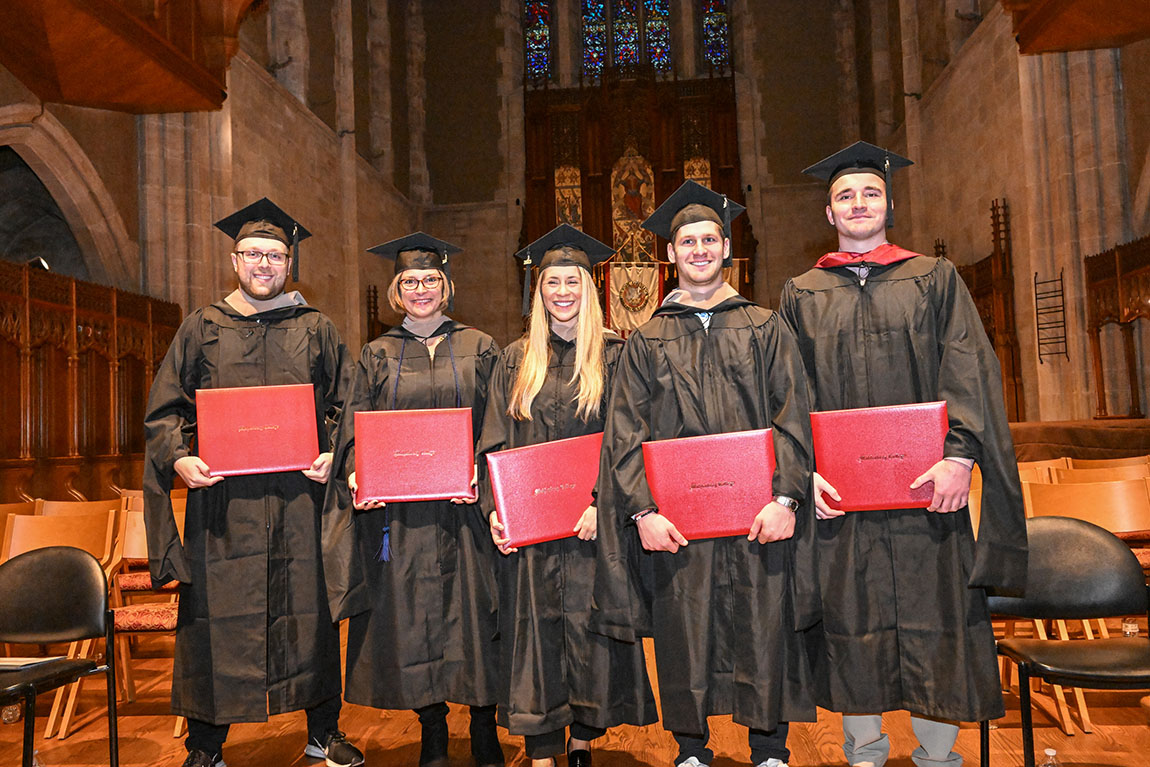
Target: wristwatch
{"points": [[787, 501]]}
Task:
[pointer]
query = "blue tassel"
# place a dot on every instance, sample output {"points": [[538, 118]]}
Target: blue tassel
{"points": [[385, 547]]}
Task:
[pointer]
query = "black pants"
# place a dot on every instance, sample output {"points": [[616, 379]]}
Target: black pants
{"points": [[485, 746], [764, 745], [554, 743], [210, 738]]}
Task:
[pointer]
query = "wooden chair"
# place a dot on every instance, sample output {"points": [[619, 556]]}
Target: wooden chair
{"points": [[93, 533], [1049, 463], [1106, 463], [1108, 474], [1035, 473]]}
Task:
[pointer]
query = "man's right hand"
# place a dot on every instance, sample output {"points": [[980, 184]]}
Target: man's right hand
{"points": [[822, 510], [362, 506], [194, 472], [658, 533]]}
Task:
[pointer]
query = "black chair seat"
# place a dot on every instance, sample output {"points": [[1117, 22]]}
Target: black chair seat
{"points": [[43, 676], [1101, 664]]}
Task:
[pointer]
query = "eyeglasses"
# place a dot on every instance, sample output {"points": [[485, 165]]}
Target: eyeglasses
{"points": [[274, 258], [431, 282]]}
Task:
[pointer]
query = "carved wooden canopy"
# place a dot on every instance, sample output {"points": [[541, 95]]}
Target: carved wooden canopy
{"points": [[137, 56], [1044, 26]]}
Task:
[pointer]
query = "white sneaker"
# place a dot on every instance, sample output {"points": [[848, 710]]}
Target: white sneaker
{"points": [[772, 762], [692, 762]]}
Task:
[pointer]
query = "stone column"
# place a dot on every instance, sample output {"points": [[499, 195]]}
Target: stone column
{"points": [[184, 187], [379, 53], [880, 66], [345, 132], [420, 186], [566, 42], [685, 38], [745, 18], [907, 184], [845, 55], [1078, 201], [288, 46]]}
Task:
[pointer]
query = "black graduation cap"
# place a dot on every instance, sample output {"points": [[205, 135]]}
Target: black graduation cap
{"points": [[420, 251], [263, 218], [689, 204], [861, 157], [562, 246]]}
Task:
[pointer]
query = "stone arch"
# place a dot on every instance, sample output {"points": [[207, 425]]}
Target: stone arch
{"points": [[65, 170]]}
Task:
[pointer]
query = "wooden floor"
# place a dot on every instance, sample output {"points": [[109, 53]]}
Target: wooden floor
{"points": [[1121, 737]]}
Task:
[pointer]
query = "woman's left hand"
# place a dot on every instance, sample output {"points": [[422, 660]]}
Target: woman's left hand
{"points": [[586, 528]]}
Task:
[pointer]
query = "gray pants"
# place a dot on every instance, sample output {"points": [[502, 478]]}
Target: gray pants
{"points": [[865, 745]]}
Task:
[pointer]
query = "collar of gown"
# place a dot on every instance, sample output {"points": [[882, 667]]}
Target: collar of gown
{"points": [[883, 255]]}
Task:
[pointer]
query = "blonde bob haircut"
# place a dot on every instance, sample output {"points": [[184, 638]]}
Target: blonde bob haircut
{"points": [[396, 302], [589, 367]]}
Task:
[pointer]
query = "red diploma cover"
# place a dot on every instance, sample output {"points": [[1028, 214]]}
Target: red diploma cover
{"points": [[256, 429], [414, 455], [542, 490], [711, 486], [871, 455]]}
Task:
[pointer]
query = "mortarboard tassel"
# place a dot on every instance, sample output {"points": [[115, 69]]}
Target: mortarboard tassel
{"points": [[295, 253], [450, 292], [727, 230], [527, 284]]}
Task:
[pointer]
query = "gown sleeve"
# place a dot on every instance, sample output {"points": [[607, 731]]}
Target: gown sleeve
{"points": [[343, 566], [621, 599], [496, 430], [970, 380], [170, 426], [787, 393]]}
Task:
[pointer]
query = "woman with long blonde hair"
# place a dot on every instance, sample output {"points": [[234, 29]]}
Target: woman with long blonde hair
{"points": [[551, 384]]}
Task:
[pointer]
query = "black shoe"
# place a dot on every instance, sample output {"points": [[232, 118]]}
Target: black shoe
{"points": [[335, 749], [580, 757], [485, 748], [198, 758]]}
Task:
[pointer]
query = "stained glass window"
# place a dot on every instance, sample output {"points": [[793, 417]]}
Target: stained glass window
{"points": [[594, 37], [537, 37], [625, 31], [716, 33], [658, 32]]}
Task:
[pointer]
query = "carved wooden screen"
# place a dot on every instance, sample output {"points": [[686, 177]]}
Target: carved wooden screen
{"points": [[576, 138], [77, 361], [991, 285], [1118, 291]]}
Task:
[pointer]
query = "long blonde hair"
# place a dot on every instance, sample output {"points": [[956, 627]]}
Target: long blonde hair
{"points": [[537, 353]]}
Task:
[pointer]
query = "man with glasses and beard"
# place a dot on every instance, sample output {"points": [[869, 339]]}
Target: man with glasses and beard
{"points": [[254, 636]]}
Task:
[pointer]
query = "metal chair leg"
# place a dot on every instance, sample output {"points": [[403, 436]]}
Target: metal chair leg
{"points": [[1027, 722], [29, 726], [984, 743]]}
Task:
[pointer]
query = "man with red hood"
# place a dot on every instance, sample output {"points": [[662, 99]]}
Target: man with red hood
{"points": [[905, 619]]}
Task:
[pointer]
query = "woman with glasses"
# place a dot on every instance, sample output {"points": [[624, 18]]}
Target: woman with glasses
{"points": [[553, 383], [416, 578]]}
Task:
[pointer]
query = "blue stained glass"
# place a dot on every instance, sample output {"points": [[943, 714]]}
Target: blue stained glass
{"points": [[658, 18], [626, 32], [715, 33], [594, 37], [537, 37]]}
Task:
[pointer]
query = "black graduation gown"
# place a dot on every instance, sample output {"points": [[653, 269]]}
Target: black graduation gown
{"points": [[904, 623], [254, 635], [423, 624], [725, 613], [553, 670]]}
